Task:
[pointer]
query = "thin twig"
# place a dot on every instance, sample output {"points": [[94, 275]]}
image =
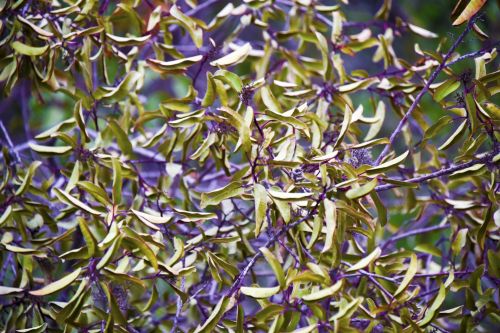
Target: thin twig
{"points": [[422, 92], [9, 142], [446, 171]]}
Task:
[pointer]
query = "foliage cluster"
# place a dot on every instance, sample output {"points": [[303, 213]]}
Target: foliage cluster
{"points": [[240, 167]]}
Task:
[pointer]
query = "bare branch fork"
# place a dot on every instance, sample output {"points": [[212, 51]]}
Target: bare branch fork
{"points": [[424, 90]]}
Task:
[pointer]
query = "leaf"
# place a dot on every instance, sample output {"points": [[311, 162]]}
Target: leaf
{"points": [[445, 89], [289, 196], [214, 197], [230, 78], [345, 125], [323, 293], [115, 312], [459, 241], [366, 260], [36, 329], [260, 292], [10, 290], [140, 244], [151, 220], [41, 32], [358, 85], [260, 201], [331, 224], [191, 26], [430, 313], [410, 273], [88, 236], [215, 315], [421, 31], [361, 191], [121, 138], [117, 181], [57, 285], [5, 215], [387, 165], [270, 101], [129, 40], [27, 178], [50, 150], [377, 126], [29, 50], [454, 137], [194, 216], [109, 253], [234, 57], [238, 122], [66, 197], [173, 66], [470, 10], [275, 265]]}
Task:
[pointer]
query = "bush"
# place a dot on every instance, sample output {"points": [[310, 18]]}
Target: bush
{"points": [[269, 166]]}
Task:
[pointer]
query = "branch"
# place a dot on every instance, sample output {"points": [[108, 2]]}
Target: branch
{"points": [[422, 92], [474, 54], [239, 280], [413, 233], [446, 171]]}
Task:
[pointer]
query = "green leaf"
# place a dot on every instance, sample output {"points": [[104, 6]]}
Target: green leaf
{"points": [[27, 178], [366, 260], [230, 78], [260, 292], [57, 285], [215, 315], [151, 220], [289, 196], [29, 50], [121, 138], [117, 181], [190, 216], [10, 290], [195, 32], [388, 165], [214, 197], [470, 10], [331, 224], [36, 329], [66, 197], [173, 66], [270, 101], [275, 265], [260, 201], [323, 293], [445, 89], [88, 236], [361, 191], [345, 125], [410, 273], [454, 137], [234, 57], [436, 304], [50, 150], [238, 122]]}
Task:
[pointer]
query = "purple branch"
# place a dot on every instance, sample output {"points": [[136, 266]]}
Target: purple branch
{"points": [[422, 92], [446, 171]]}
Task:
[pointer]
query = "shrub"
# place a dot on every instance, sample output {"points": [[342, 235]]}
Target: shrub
{"points": [[264, 166]]}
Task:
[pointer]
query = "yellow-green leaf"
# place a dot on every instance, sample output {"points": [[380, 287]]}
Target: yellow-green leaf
{"points": [[260, 292], [366, 260], [57, 285], [234, 57]]}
